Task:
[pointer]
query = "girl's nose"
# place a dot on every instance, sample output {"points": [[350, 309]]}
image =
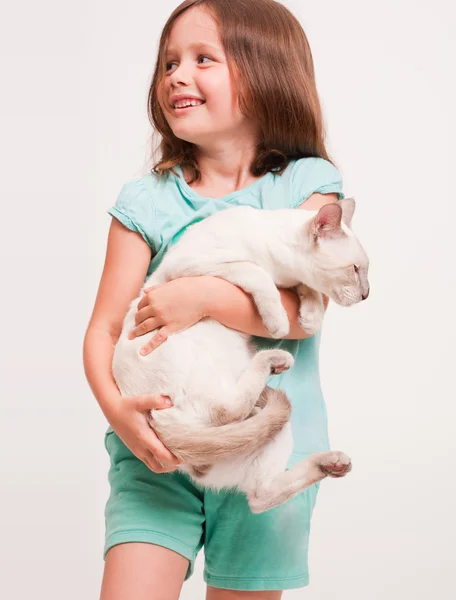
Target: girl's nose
{"points": [[180, 76]]}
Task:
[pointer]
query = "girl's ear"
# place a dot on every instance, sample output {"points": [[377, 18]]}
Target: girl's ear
{"points": [[326, 223], [348, 206]]}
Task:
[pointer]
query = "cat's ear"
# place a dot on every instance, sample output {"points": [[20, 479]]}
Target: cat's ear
{"points": [[326, 222], [348, 206]]}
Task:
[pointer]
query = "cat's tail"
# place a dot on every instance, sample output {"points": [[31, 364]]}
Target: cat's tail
{"points": [[199, 446]]}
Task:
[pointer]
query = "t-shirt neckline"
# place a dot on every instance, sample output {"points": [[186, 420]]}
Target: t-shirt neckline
{"points": [[228, 197]]}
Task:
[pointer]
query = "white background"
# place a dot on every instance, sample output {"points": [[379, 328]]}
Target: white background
{"points": [[74, 128]]}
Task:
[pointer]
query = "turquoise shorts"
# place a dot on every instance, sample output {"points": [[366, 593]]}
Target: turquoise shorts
{"points": [[242, 551]]}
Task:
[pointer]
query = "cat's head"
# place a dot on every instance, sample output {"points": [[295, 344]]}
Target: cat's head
{"points": [[338, 261]]}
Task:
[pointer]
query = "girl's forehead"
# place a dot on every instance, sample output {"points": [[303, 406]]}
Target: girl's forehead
{"points": [[195, 45], [192, 27]]}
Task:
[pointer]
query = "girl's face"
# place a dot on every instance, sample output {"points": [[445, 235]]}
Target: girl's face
{"points": [[197, 66]]}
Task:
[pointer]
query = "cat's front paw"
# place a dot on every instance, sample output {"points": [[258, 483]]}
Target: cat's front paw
{"points": [[311, 322], [279, 330], [277, 325]]}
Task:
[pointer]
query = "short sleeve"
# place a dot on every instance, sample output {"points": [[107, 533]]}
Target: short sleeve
{"points": [[312, 175], [134, 208]]}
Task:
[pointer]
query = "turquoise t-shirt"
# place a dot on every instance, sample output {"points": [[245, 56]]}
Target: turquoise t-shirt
{"points": [[161, 211]]}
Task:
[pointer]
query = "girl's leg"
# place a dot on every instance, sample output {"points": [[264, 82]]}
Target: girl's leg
{"points": [[219, 594], [142, 571]]}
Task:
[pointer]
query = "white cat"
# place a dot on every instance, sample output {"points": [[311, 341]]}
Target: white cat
{"points": [[226, 425]]}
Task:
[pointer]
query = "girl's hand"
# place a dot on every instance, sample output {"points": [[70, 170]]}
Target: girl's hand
{"points": [[170, 307], [131, 425]]}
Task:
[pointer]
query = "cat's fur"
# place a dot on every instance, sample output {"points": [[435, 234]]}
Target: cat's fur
{"points": [[226, 425]]}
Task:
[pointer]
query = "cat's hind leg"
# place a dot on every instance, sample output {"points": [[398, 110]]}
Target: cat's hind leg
{"points": [[250, 385], [269, 491]]}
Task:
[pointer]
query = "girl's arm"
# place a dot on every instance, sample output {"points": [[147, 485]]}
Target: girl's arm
{"points": [[174, 306], [178, 304], [127, 260], [126, 263], [232, 307]]}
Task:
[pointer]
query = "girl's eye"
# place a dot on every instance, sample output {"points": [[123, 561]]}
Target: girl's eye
{"points": [[168, 65]]}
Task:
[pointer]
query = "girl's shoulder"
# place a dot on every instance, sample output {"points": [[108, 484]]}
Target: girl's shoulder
{"points": [[135, 208], [142, 191], [145, 205], [302, 178], [314, 175]]}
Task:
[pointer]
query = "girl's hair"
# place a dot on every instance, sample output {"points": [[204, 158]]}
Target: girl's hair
{"points": [[270, 61]]}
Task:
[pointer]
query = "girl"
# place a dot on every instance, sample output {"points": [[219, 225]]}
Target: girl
{"points": [[234, 98]]}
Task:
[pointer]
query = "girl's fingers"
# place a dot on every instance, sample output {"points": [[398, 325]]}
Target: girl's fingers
{"points": [[151, 401], [161, 460], [155, 466], [145, 327], [142, 314], [145, 300], [142, 303], [156, 341], [159, 451]]}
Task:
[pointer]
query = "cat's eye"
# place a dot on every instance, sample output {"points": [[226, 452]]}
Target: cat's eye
{"points": [[356, 268]]}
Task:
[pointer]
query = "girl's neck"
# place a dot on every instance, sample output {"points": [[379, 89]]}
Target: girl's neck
{"points": [[215, 186], [225, 168]]}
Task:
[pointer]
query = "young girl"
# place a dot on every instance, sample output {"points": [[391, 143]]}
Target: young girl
{"points": [[253, 134]]}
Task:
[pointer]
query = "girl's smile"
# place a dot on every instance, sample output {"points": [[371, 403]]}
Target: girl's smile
{"points": [[187, 107], [184, 110], [197, 69]]}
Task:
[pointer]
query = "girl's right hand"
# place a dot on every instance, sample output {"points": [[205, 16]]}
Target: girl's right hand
{"points": [[130, 424]]}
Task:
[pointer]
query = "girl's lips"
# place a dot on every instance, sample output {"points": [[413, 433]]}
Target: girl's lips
{"points": [[187, 108]]}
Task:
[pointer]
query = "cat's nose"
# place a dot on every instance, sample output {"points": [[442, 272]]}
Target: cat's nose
{"points": [[364, 296]]}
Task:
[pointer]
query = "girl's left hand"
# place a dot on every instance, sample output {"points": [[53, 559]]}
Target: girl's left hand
{"points": [[170, 307]]}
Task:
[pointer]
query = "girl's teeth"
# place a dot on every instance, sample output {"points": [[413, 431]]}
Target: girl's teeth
{"points": [[185, 104]]}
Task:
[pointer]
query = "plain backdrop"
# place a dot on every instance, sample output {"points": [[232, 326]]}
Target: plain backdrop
{"points": [[74, 129]]}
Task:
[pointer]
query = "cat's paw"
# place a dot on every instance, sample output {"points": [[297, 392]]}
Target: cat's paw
{"points": [[279, 361], [335, 464], [311, 322], [276, 324]]}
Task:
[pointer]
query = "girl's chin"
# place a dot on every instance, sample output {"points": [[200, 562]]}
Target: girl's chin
{"points": [[191, 130]]}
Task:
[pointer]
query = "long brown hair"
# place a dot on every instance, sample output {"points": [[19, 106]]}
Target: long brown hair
{"points": [[270, 61]]}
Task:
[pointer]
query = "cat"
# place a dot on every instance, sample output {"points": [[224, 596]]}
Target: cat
{"points": [[230, 429]]}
